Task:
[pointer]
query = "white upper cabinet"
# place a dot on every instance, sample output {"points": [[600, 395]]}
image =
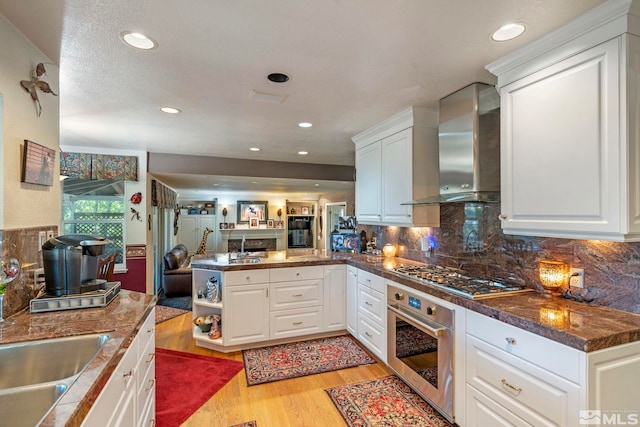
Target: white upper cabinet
{"points": [[569, 130], [396, 162]]}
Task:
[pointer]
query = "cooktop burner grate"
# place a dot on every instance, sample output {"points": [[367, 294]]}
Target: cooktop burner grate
{"points": [[459, 282]]}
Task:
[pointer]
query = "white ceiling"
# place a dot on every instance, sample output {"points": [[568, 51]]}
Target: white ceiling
{"points": [[352, 64]]}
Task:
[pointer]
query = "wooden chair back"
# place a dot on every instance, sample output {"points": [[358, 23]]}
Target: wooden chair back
{"points": [[106, 266]]}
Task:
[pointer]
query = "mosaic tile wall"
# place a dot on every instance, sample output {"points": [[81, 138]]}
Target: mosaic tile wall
{"points": [[22, 244], [470, 238]]}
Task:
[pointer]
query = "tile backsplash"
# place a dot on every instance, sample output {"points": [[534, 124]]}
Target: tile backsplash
{"points": [[23, 245], [470, 238]]}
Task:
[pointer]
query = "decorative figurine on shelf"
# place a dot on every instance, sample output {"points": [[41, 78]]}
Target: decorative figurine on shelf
{"points": [[216, 328], [9, 270], [202, 249], [136, 198], [224, 214], [280, 214]]}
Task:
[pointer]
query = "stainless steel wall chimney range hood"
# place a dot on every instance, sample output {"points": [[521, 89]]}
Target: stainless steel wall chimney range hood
{"points": [[469, 145]]}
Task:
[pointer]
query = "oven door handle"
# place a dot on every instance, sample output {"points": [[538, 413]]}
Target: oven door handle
{"points": [[421, 321]]}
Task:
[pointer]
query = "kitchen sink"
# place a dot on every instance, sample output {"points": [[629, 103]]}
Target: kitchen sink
{"points": [[26, 406], [35, 374], [43, 361], [244, 260]]}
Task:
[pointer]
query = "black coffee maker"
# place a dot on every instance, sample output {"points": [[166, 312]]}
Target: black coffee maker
{"points": [[71, 264]]}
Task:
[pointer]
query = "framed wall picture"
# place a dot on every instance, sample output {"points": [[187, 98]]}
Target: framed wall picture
{"points": [[37, 164], [270, 223], [232, 226], [252, 209], [254, 222], [279, 224], [305, 210]]}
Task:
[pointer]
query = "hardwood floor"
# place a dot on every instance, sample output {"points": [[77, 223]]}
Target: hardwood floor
{"points": [[297, 402]]}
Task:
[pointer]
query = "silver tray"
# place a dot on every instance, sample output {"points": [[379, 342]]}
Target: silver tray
{"points": [[99, 298]]}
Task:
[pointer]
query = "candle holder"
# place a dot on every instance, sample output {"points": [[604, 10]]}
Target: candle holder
{"points": [[553, 276]]}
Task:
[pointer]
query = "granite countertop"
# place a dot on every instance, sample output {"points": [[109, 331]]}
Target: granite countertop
{"points": [[121, 319], [578, 325]]}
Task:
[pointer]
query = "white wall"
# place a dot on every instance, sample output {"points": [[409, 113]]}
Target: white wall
{"points": [[25, 205]]}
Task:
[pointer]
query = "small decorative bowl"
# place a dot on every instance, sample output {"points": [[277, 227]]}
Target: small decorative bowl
{"points": [[204, 323]]}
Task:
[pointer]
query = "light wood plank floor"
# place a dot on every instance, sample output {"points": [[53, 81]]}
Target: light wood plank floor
{"points": [[297, 402]]}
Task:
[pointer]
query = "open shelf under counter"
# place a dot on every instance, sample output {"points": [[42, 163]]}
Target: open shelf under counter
{"points": [[198, 335], [204, 303]]}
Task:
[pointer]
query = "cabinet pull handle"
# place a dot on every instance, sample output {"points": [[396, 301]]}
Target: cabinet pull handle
{"points": [[298, 274], [515, 390], [129, 373], [297, 323], [297, 295], [152, 381], [152, 422], [248, 278], [502, 217], [267, 292], [368, 303], [368, 334], [151, 356], [150, 330], [510, 341]]}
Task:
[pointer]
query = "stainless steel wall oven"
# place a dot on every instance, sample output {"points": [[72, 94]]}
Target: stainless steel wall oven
{"points": [[420, 346]]}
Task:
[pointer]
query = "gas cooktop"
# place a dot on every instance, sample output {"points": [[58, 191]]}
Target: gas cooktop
{"points": [[459, 282]]}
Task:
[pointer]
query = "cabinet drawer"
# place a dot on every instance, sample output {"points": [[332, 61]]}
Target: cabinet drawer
{"points": [[536, 395], [372, 281], [373, 336], [147, 332], [291, 323], [372, 303], [286, 295], [290, 274], [540, 351], [482, 412], [145, 375], [245, 277]]}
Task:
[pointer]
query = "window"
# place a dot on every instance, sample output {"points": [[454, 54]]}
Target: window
{"points": [[95, 207]]}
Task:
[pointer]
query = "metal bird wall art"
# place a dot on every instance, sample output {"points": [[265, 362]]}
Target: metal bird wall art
{"points": [[34, 84]]}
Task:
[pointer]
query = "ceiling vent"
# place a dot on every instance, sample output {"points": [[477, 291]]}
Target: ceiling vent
{"points": [[267, 97]]}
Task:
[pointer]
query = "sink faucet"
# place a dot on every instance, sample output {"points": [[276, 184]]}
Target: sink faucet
{"points": [[244, 239]]}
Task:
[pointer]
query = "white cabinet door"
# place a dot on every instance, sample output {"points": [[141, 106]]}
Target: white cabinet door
{"points": [[246, 316], [397, 170], [560, 148], [352, 300], [368, 184], [335, 313], [191, 230]]}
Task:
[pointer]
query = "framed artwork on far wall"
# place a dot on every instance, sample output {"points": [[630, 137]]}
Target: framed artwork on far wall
{"points": [[252, 209], [37, 164], [270, 223], [254, 222]]}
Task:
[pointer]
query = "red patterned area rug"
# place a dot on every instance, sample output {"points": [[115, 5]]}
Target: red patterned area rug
{"points": [[165, 313], [185, 381], [385, 401], [280, 362]]}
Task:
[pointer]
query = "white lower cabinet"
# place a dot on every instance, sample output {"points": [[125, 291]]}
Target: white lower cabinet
{"points": [[129, 394], [270, 304], [352, 300], [518, 378], [372, 313]]}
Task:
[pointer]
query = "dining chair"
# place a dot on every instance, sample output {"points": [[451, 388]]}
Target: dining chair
{"points": [[106, 266]]}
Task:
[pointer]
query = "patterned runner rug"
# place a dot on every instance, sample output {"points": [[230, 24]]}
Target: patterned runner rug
{"points": [[267, 364], [165, 313], [385, 401]]}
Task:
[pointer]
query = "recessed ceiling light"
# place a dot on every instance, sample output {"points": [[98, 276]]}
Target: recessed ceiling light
{"points": [[216, 184], [169, 110], [278, 77], [316, 185], [254, 149], [303, 153], [508, 32], [254, 182], [138, 40], [305, 125]]}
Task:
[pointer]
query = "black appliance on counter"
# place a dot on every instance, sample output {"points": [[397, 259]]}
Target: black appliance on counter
{"points": [[71, 264], [300, 232]]}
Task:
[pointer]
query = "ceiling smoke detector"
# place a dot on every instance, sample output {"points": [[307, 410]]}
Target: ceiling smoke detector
{"points": [[278, 77]]}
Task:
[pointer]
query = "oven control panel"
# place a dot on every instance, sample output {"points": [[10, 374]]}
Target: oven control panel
{"points": [[415, 303]]}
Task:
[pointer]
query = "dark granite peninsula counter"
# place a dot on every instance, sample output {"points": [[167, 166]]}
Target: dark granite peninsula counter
{"points": [[121, 319], [578, 325]]}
